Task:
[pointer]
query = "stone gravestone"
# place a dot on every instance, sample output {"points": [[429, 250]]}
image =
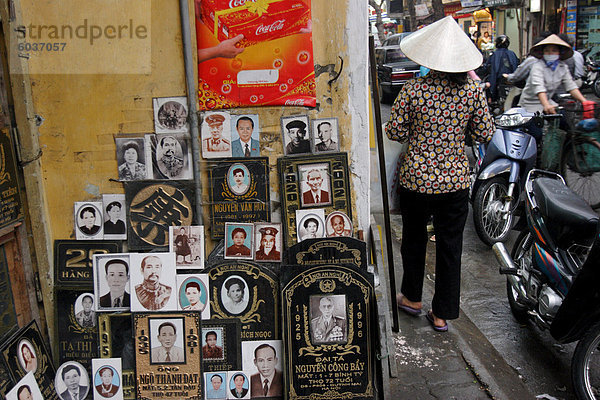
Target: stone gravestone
{"points": [[116, 341], [226, 354], [338, 251], [327, 332]]}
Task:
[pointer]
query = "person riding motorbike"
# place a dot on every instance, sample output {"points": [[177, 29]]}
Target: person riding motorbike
{"points": [[520, 75], [575, 63], [503, 61]]}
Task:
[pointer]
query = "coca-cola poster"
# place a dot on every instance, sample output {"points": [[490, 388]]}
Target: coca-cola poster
{"points": [[254, 53]]}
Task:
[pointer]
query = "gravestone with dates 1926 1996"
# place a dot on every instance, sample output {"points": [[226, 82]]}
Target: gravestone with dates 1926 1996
{"points": [[327, 332], [335, 250]]}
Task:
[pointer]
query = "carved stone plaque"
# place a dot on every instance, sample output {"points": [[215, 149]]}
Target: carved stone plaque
{"points": [[342, 250], [73, 260], [221, 350]]}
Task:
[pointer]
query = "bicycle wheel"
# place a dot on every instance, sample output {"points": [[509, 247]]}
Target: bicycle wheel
{"points": [[581, 173]]}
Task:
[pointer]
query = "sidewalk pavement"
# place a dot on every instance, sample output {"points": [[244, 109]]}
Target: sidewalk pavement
{"points": [[458, 364]]}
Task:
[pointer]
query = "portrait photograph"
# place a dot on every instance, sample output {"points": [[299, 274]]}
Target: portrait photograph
{"points": [[111, 282], [187, 242], [215, 385], [26, 389], [170, 156], [338, 224], [310, 224], [239, 179], [215, 133], [245, 132], [131, 158], [88, 219], [193, 294], [115, 221], [238, 240], [28, 358], [267, 242], [107, 380], [153, 282], [84, 309], [239, 387], [263, 359], [170, 114], [72, 381], [315, 184], [235, 295], [296, 135], [325, 135], [328, 319], [213, 347], [167, 341]]}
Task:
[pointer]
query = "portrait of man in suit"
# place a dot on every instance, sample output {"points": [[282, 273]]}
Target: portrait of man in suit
{"points": [[267, 382], [328, 327], [167, 352], [246, 145], [71, 376], [117, 276], [238, 391], [318, 193]]}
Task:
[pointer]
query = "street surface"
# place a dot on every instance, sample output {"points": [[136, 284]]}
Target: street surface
{"points": [[542, 364]]}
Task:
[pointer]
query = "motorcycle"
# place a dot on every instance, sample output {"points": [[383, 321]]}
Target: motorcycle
{"points": [[501, 167], [591, 79], [554, 270]]}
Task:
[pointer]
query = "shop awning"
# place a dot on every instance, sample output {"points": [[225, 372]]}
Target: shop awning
{"points": [[468, 10]]}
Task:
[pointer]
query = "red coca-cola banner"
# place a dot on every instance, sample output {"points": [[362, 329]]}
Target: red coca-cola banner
{"points": [[254, 52]]}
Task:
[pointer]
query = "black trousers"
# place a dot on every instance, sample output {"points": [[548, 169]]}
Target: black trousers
{"points": [[449, 211]]}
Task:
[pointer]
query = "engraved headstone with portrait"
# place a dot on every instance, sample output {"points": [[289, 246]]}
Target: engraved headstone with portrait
{"points": [[333, 250], [221, 350], [116, 341]]}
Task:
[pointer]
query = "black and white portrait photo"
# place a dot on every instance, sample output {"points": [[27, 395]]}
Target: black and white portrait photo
{"points": [[235, 295], [170, 115], [328, 318], [84, 310], [111, 282], [167, 340], [238, 179], [26, 389], [153, 282], [216, 135], [296, 135], [338, 224], [310, 224], [131, 158], [315, 184], [187, 242], [72, 381], [171, 156], [88, 220], [325, 135], [115, 226]]}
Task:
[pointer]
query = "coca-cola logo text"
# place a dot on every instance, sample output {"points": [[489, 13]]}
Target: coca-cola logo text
{"points": [[297, 102], [236, 3], [275, 26]]}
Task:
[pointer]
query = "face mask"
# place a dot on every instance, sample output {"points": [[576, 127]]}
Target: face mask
{"points": [[551, 57]]}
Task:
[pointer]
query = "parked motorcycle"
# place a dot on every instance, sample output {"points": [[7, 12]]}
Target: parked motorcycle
{"points": [[502, 167], [591, 79], [553, 273]]}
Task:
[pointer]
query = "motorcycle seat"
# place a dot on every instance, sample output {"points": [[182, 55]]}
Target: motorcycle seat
{"points": [[568, 218]]}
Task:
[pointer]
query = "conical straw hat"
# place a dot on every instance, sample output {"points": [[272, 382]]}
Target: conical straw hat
{"points": [[565, 50], [442, 46]]}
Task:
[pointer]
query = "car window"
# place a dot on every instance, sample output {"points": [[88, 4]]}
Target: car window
{"points": [[395, 55]]}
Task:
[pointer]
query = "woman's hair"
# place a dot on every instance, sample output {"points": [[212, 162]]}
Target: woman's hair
{"points": [[131, 145], [309, 221], [87, 209], [458, 78]]}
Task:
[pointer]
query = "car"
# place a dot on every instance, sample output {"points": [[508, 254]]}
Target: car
{"points": [[393, 67]]}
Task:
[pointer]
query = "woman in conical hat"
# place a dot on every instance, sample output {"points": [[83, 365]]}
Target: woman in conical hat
{"points": [[547, 75], [432, 114]]}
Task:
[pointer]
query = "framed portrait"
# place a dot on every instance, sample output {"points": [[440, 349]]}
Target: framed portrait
{"points": [[27, 356], [131, 158], [267, 242], [170, 114], [315, 184], [325, 135], [268, 355], [107, 378], [193, 293], [115, 333], [310, 224], [111, 282], [169, 157], [115, 225], [187, 242], [88, 219], [238, 179], [338, 224], [153, 282], [84, 309], [328, 318], [296, 135], [238, 386], [215, 384], [167, 341], [245, 131], [294, 180], [238, 240], [71, 377], [235, 295], [215, 133], [221, 348], [26, 388], [212, 348]]}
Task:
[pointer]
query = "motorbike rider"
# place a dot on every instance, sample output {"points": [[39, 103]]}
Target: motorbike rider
{"points": [[503, 61], [520, 75], [575, 63]]}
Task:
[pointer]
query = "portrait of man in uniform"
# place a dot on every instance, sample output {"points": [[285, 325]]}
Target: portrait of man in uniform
{"points": [[151, 293], [315, 184], [246, 145], [268, 240], [116, 274], [216, 136], [170, 158], [167, 336], [328, 318], [325, 135], [295, 130], [211, 350], [170, 114]]}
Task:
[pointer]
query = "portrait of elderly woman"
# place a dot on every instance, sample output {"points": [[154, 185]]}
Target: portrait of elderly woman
{"points": [[129, 154], [88, 215]]}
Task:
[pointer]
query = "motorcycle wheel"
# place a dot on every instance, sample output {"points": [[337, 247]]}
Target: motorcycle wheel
{"points": [[521, 254], [585, 365], [487, 206], [585, 184], [596, 87]]}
